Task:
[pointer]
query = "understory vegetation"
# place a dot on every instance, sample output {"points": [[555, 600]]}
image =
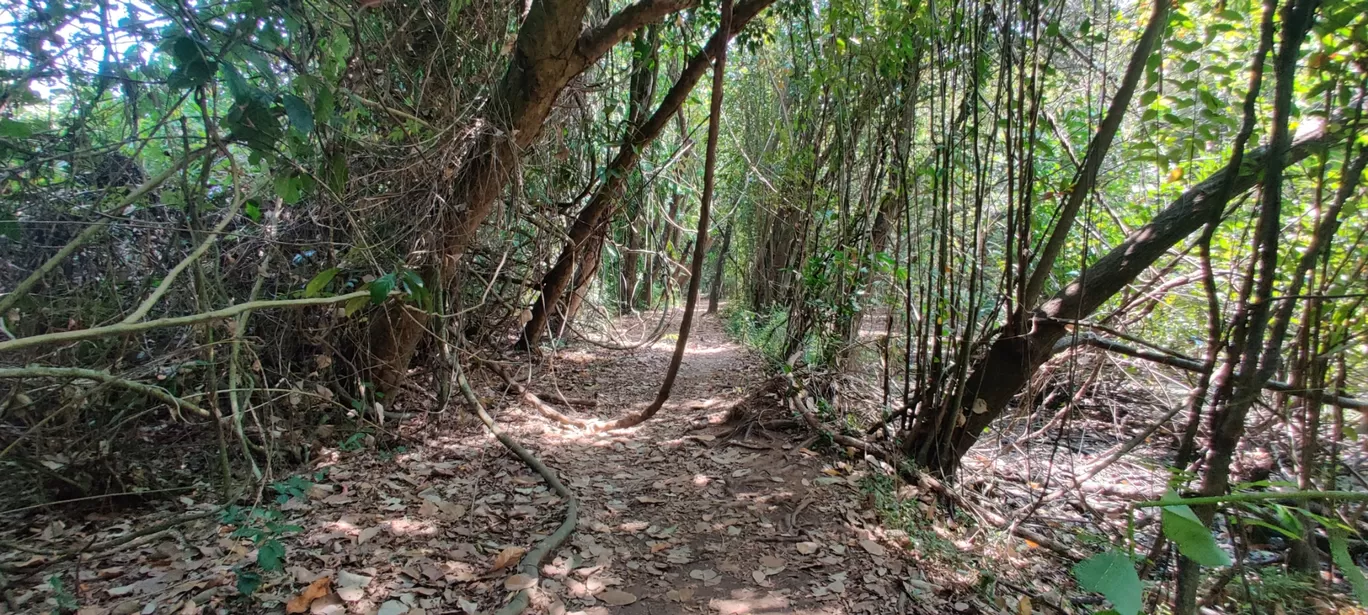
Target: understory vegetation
{"points": [[1089, 275]]}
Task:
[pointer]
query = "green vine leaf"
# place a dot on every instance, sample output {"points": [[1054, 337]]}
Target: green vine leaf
{"points": [[1112, 574]]}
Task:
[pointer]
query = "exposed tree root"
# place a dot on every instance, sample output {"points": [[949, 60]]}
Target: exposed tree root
{"points": [[531, 562], [802, 403], [531, 398]]}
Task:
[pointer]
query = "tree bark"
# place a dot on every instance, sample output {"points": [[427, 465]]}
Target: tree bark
{"points": [[1012, 360], [715, 289], [598, 210], [552, 48]]}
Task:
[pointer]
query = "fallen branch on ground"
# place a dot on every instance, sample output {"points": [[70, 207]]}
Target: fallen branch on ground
{"points": [[531, 563], [1195, 366]]}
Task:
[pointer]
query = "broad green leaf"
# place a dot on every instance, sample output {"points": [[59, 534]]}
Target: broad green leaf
{"points": [[1112, 574], [1339, 552], [354, 305], [193, 66], [319, 282], [252, 122], [287, 186], [301, 116], [253, 210], [1192, 537], [381, 287], [248, 582], [271, 555], [15, 129]]}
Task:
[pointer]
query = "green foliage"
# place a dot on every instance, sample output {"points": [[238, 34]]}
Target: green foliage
{"points": [[65, 600], [1112, 574], [764, 333], [1339, 552], [1191, 536]]}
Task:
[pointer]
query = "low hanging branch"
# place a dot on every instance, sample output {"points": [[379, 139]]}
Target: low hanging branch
{"points": [[78, 335], [1195, 366], [700, 246], [176, 403]]}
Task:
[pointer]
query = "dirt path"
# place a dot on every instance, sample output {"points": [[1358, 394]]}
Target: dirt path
{"points": [[674, 519], [677, 520]]}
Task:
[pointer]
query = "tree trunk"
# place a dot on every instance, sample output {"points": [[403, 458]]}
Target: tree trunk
{"points": [[598, 211], [715, 290], [701, 246], [1011, 360], [630, 264], [552, 48]]}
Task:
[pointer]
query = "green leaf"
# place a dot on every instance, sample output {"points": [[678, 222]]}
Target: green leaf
{"points": [[15, 129], [287, 186], [193, 66], [9, 227], [301, 116], [1191, 536], [1111, 574], [319, 282], [248, 582], [252, 122], [1339, 552], [271, 555], [253, 210], [381, 287], [354, 305], [236, 84]]}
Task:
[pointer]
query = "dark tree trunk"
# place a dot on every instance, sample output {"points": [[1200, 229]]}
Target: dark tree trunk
{"points": [[597, 212], [552, 48], [1012, 359], [715, 290]]}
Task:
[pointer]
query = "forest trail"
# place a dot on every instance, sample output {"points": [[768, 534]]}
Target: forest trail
{"points": [[675, 518]]}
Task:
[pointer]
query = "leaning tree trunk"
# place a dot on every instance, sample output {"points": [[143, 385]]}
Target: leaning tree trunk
{"points": [[552, 48], [1011, 360], [605, 200], [701, 247], [938, 423]]}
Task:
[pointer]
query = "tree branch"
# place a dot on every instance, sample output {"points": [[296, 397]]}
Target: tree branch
{"points": [[596, 41], [138, 327]]}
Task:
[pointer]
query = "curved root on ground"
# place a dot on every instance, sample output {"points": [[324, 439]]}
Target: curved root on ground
{"points": [[531, 562]]}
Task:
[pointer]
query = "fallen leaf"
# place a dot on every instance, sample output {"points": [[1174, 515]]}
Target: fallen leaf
{"points": [[759, 576], [507, 558], [873, 548], [393, 607], [315, 590], [330, 604], [807, 548], [519, 582], [367, 534], [770, 561], [351, 586], [1024, 606], [614, 597]]}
